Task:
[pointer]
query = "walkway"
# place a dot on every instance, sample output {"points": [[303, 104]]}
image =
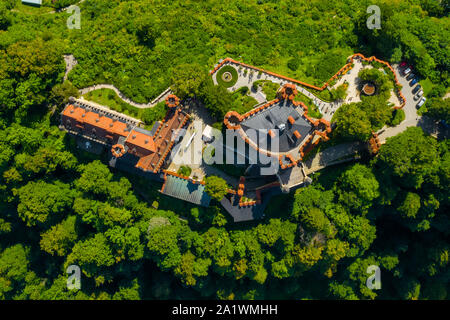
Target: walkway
{"points": [[151, 104], [331, 156], [246, 79], [71, 62]]}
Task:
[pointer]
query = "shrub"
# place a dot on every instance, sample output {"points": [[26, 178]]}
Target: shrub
{"points": [[398, 116], [185, 171], [216, 187], [293, 64]]}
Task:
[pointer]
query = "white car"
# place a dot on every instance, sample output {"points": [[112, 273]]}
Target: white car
{"points": [[419, 94], [407, 71], [421, 102]]}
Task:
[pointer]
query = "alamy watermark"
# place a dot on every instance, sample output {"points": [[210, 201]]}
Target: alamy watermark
{"points": [[374, 21], [74, 21], [74, 278], [229, 148], [373, 282]]}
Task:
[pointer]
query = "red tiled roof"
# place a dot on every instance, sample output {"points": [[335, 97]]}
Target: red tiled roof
{"points": [[141, 140]]}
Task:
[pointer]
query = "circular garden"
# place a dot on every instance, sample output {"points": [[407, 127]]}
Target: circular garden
{"points": [[227, 76]]}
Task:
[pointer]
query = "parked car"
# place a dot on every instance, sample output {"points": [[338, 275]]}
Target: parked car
{"points": [[410, 76], [407, 71], [403, 64], [420, 93], [414, 81], [416, 97], [421, 102], [416, 88]]}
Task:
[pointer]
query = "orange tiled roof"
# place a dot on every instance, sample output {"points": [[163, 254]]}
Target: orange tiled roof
{"points": [[141, 140], [94, 119]]}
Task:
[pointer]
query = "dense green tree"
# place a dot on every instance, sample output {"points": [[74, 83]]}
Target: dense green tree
{"points": [[439, 109], [216, 187], [5, 20], [163, 243], [188, 79], [95, 178], [410, 206], [95, 218], [61, 93], [92, 256], [34, 66], [217, 99], [315, 220], [41, 203], [60, 238], [411, 157], [357, 188], [352, 122], [217, 244], [342, 291], [128, 292], [190, 268], [13, 269]]}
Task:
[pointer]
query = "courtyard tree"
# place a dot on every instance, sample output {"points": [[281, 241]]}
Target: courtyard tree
{"points": [[216, 187], [352, 122]]}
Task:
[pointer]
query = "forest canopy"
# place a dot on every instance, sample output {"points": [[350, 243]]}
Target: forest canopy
{"points": [[61, 206]]}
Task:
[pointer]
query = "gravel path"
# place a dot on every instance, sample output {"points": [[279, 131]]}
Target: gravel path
{"points": [[326, 108], [71, 62]]}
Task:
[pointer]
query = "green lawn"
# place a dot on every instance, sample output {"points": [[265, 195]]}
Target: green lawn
{"points": [[29, 9], [109, 98], [313, 110], [427, 86], [243, 102], [232, 81], [269, 88]]}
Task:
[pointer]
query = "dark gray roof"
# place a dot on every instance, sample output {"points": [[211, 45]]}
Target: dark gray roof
{"points": [[154, 128], [128, 162], [144, 131], [241, 214], [272, 118]]}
